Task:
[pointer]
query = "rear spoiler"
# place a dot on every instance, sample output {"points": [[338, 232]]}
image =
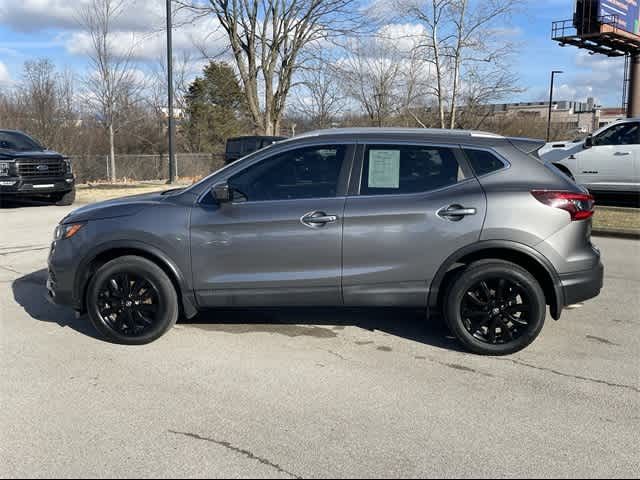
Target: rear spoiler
{"points": [[530, 146]]}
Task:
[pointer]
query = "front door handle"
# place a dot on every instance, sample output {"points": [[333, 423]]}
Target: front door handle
{"points": [[318, 219], [622, 154], [455, 213]]}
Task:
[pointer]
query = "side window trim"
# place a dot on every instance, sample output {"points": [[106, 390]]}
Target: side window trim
{"points": [[343, 176], [258, 156], [506, 164], [359, 162]]}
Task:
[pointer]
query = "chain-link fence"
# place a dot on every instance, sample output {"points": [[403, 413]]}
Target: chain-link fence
{"points": [[95, 168]]}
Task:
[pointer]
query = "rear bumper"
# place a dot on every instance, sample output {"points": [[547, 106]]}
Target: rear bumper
{"points": [[35, 186], [581, 286]]}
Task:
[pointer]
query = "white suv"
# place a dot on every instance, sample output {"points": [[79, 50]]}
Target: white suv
{"points": [[607, 161]]}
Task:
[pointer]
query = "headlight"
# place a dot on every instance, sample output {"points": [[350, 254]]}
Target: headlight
{"points": [[66, 231], [67, 162], [4, 169]]}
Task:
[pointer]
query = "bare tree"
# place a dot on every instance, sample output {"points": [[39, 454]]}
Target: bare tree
{"points": [[318, 97], [267, 39], [369, 73], [463, 41], [111, 78]]}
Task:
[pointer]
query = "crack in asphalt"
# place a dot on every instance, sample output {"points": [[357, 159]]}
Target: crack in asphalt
{"points": [[569, 375], [335, 354], [602, 340], [14, 247], [241, 451], [2, 254], [9, 269]]}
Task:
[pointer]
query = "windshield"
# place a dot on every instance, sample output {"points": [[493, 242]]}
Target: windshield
{"points": [[18, 141]]}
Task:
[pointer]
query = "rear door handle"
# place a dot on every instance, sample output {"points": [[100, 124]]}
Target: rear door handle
{"points": [[622, 154], [456, 213], [318, 219]]}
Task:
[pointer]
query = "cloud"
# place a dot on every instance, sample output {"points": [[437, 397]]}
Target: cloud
{"points": [[35, 15], [5, 78], [595, 76]]}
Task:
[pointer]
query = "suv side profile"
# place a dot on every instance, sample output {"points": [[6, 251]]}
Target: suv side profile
{"points": [[606, 162], [467, 224]]}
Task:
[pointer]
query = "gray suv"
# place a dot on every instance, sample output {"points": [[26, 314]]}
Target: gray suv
{"points": [[467, 224]]}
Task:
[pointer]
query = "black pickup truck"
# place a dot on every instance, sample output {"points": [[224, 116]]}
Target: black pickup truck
{"points": [[29, 170], [239, 147]]}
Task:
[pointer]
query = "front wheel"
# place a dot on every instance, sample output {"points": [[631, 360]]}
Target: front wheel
{"points": [[130, 300], [495, 308]]}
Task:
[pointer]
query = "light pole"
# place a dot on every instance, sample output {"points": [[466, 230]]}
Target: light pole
{"points": [[172, 126], [553, 76]]}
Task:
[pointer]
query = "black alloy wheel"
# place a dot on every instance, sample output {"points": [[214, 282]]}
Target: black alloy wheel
{"points": [[495, 307], [129, 303], [132, 301], [495, 311]]}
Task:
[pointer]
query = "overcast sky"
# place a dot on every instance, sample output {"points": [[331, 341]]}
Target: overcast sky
{"points": [[48, 28]]}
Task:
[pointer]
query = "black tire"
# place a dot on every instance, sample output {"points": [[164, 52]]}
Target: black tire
{"points": [[65, 199], [495, 307], [141, 307]]}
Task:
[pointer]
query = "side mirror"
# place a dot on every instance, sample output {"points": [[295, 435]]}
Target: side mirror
{"points": [[588, 142], [222, 193]]}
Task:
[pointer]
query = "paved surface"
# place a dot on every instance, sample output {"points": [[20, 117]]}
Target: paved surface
{"points": [[311, 394]]}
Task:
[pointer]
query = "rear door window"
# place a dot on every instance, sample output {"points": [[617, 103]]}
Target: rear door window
{"points": [[400, 169]]}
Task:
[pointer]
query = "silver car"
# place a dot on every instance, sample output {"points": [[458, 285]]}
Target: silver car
{"points": [[468, 225]]}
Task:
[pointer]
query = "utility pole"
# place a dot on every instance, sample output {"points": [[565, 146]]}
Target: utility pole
{"points": [[172, 126], [553, 75]]}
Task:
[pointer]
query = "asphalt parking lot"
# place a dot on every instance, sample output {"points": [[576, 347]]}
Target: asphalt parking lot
{"points": [[301, 393]]}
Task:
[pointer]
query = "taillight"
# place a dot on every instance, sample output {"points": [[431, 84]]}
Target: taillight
{"points": [[579, 205]]}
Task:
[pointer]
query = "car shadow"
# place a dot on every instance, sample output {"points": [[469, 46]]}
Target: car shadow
{"points": [[21, 202], [30, 292], [409, 324]]}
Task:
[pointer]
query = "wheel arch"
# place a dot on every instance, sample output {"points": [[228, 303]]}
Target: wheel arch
{"points": [[528, 258], [564, 169], [107, 252]]}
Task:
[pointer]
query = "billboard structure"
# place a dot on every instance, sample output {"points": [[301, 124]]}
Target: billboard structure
{"points": [[612, 28]]}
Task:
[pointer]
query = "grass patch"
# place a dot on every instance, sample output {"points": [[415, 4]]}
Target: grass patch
{"points": [[617, 219], [99, 192]]}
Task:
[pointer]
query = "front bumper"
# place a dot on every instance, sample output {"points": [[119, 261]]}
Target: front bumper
{"points": [[581, 286], [35, 186], [61, 269]]}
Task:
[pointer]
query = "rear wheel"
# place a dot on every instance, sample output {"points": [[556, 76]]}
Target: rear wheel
{"points": [[130, 300], [495, 308]]}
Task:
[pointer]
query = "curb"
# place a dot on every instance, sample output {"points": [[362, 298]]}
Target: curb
{"points": [[613, 233]]}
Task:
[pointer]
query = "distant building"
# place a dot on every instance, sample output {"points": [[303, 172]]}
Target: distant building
{"points": [[582, 117]]}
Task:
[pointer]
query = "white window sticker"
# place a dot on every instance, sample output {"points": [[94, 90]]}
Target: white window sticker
{"points": [[384, 168]]}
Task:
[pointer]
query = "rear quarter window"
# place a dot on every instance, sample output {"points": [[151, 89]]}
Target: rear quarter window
{"points": [[483, 162]]}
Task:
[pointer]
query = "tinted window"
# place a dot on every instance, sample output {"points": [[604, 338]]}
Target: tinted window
{"points": [[398, 169], [483, 162], [18, 141], [304, 173], [623, 134]]}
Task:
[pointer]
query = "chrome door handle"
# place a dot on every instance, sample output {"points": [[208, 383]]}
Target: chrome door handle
{"points": [[318, 219], [455, 213]]}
